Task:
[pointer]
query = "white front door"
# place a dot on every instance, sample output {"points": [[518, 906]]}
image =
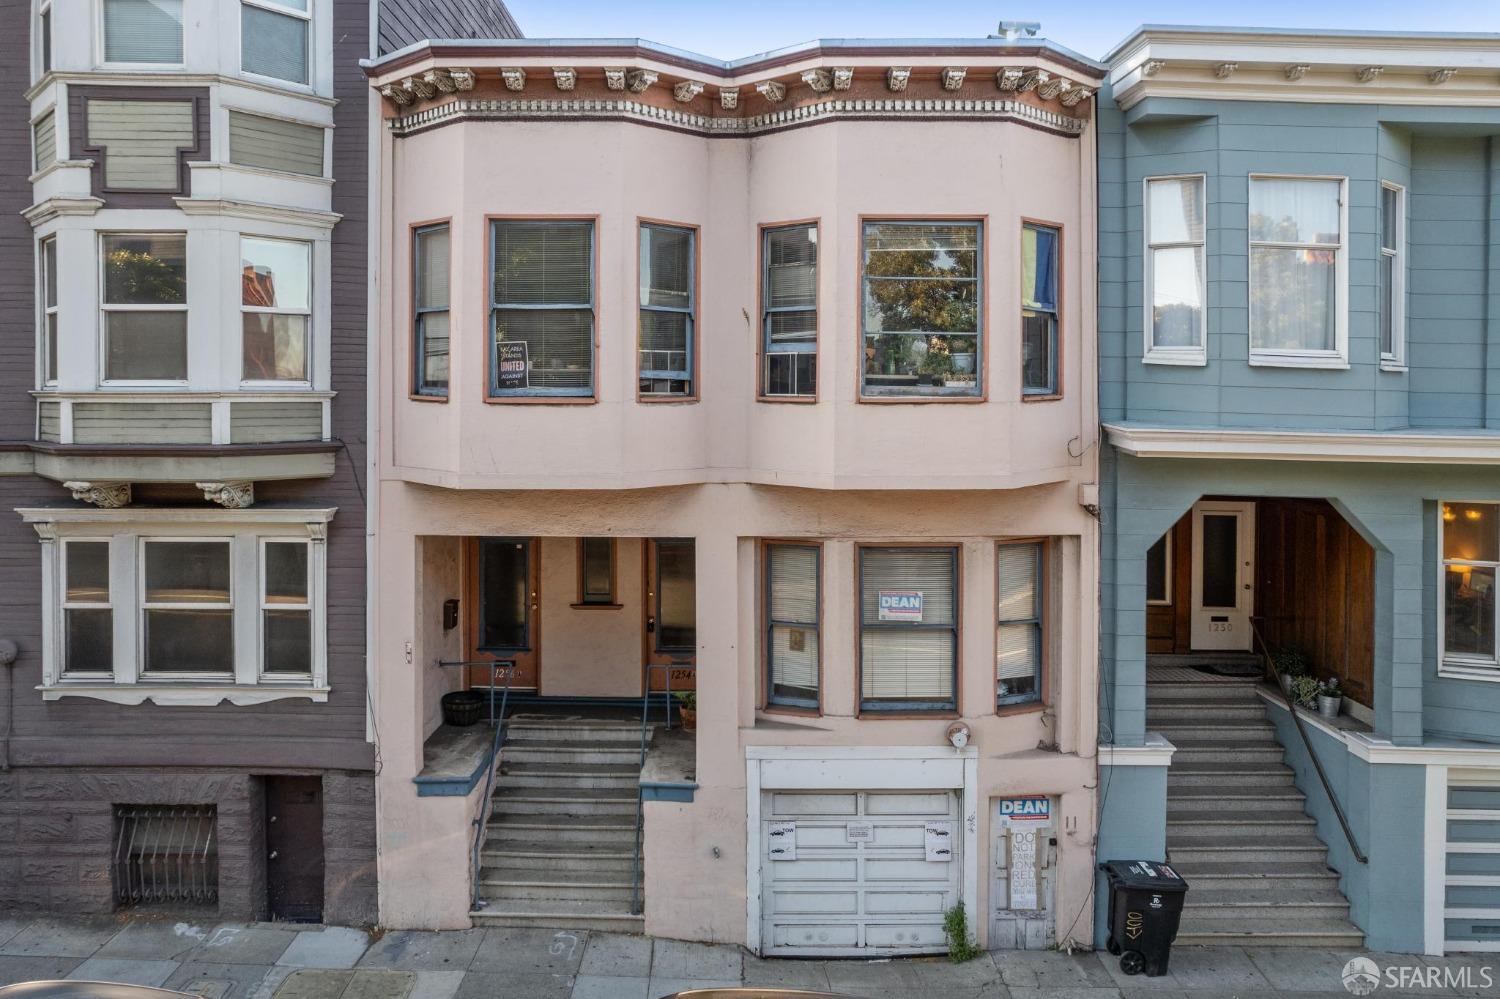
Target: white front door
{"points": [[1223, 575]]}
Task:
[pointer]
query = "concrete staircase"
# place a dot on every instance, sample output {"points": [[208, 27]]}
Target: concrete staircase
{"points": [[1237, 828], [561, 833]]}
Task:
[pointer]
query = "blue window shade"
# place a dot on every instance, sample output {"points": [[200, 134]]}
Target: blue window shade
{"points": [[1039, 310], [1039, 268]]}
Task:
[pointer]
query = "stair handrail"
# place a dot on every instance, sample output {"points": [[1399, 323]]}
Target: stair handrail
{"points": [[1291, 707], [482, 817]]}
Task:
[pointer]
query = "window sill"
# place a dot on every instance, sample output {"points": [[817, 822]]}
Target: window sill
{"points": [[585, 606], [186, 696], [884, 400], [1324, 361], [1194, 359], [1041, 397], [869, 714], [1464, 671], [1023, 708], [544, 400], [1395, 367], [802, 400]]}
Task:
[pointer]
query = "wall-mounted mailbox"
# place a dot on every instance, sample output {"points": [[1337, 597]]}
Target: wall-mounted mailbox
{"points": [[450, 614]]}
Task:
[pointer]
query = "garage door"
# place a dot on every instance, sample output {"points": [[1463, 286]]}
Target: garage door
{"points": [[858, 873]]}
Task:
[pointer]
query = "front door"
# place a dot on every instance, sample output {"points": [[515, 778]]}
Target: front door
{"points": [[1223, 575], [294, 848], [671, 624], [504, 622]]}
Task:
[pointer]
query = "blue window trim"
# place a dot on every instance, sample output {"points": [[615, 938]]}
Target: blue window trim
{"points": [[690, 376], [419, 312], [867, 706], [1053, 313], [1039, 622], [767, 311], [772, 698], [586, 392]]}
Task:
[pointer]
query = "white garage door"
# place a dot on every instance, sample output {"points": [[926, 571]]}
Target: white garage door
{"points": [[860, 873]]}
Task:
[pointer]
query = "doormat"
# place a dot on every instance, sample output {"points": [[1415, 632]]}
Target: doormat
{"points": [[1234, 669]]}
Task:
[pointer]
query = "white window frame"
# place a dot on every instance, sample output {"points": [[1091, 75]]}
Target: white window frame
{"points": [[309, 349], [310, 605], [142, 606], [46, 334], [43, 54], [66, 605], [273, 7], [1395, 360], [127, 530], [1166, 600], [1338, 357], [1459, 666], [105, 308], [101, 42], [1150, 353]]}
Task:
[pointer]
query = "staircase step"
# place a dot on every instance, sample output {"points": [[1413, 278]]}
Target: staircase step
{"points": [[580, 732], [565, 801], [1196, 751], [1158, 692], [1234, 874], [1235, 930], [562, 914], [1265, 822], [1258, 732], [557, 751], [616, 830], [565, 774], [1195, 709], [495, 864], [546, 856], [1294, 849], [546, 889], [1227, 773], [1235, 797], [1283, 903]]}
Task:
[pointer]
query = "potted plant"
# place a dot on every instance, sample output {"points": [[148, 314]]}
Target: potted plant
{"points": [[1330, 697], [687, 707], [462, 707], [1305, 691], [1290, 664]]}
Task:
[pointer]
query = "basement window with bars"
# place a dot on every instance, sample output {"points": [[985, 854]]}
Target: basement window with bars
{"points": [[166, 855]]}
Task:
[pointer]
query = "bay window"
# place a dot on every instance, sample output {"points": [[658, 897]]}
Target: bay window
{"points": [[143, 31], [1470, 546], [789, 310], [668, 311], [1175, 271], [921, 332], [430, 252], [1020, 635], [542, 309], [49, 311], [1392, 277], [44, 141], [275, 39], [276, 309], [1039, 310], [144, 301], [908, 628], [792, 612], [1297, 271]]}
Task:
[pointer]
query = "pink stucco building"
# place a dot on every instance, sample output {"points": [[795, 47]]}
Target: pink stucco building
{"points": [[772, 380]]}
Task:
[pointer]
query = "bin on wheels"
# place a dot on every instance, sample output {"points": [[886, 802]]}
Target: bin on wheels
{"points": [[1145, 906]]}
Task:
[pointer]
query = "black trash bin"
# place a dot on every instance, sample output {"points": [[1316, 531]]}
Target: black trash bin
{"points": [[1145, 906]]}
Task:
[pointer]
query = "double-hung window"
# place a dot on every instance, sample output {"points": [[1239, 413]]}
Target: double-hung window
{"points": [[1298, 271], [792, 603], [1039, 310], [908, 629], [44, 40], [921, 290], [1020, 634], [668, 311], [147, 32], [430, 257], [276, 39], [276, 309], [286, 607], [1471, 561], [187, 607], [1392, 304], [542, 312], [1176, 273], [789, 310], [88, 611], [49, 311], [144, 278]]}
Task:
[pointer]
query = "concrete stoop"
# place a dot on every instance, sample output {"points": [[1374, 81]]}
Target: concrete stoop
{"points": [[559, 847], [1237, 825]]}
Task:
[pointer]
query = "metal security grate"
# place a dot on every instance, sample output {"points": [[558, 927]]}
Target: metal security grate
{"points": [[166, 854]]}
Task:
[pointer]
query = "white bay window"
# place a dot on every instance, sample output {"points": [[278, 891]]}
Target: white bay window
{"points": [[1298, 271], [183, 606]]}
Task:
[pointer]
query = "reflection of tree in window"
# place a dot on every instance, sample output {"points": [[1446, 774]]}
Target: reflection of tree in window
{"points": [[921, 309]]}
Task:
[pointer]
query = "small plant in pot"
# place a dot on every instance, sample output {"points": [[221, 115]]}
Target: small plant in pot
{"points": [[1290, 664], [687, 708], [1330, 697], [1305, 692]]}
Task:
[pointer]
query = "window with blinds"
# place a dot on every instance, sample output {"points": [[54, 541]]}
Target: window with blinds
{"points": [[908, 632], [430, 251], [1020, 628], [792, 634], [667, 310], [596, 572], [789, 305], [143, 31], [275, 39], [542, 315]]}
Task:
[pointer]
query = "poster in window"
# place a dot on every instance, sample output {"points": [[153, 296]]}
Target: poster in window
{"points": [[512, 367], [901, 605]]}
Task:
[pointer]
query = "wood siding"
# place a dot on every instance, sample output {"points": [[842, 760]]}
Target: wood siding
{"points": [[44, 138], [274, 144], [142, 423], [1167, 625], [49, 422], [270, 422], [141, 140], [403, 22]]}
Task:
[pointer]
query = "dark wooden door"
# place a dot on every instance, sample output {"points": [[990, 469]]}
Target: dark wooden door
{"points": [[505, 609], [670, 628], [294, 848]]}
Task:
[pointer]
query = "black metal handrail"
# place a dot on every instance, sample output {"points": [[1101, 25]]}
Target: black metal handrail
{"points": [[482, 817], [1291, 707], [640, 800]]}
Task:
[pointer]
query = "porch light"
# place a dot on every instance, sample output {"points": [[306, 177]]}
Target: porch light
{"points": [[1473, 514], [1449, 515]]}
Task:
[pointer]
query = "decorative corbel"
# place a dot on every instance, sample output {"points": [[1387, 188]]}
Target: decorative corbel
{"points": [[638, 80], [1075, 95], [230, 495], [614, 77], [1440, 76], [1009, 78], [843, 77], [1297, 71], [463, 78], [686, 91], [105, 495], [953, 77], [1366, 74], [771, 91], [1225, 70], [1151, 67], [897, 77], [729, 98], [1049, 89], [317, 530], [566, 77], [514, 77], [1031, 79], [819, 79], [419, 88], [439, 80], [396, 95]]}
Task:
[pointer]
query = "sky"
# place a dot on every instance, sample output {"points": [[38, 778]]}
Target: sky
{"points": [[1091, 27]]}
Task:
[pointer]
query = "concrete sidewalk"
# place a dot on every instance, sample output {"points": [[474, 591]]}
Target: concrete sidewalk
{"points": [[283, 961]]}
